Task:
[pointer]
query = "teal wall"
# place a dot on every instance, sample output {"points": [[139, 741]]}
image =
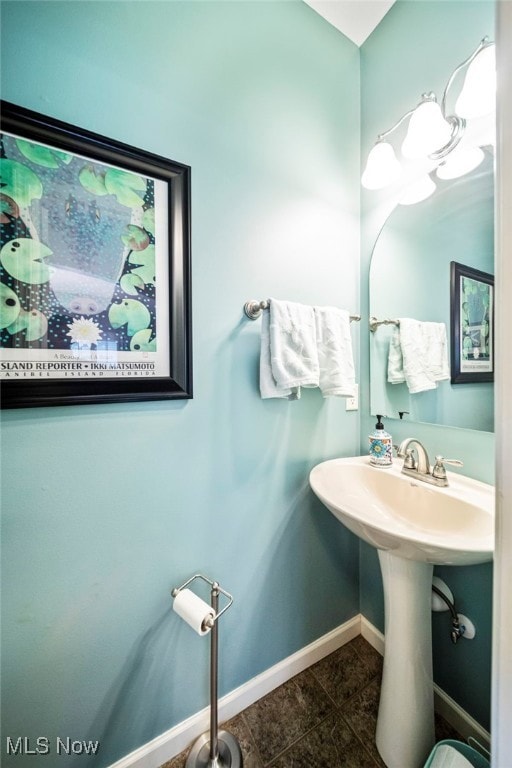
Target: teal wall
{"points": [[413, 50], [106, 508]]}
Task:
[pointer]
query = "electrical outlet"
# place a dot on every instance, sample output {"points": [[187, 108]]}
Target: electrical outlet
{"points": [[352, 403]]}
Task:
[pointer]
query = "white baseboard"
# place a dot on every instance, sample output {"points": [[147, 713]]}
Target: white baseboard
{"points": [[372, 635], [175, 740], [457, 717]]}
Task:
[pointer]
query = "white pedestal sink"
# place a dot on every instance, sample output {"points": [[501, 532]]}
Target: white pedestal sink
{"points": [[414, 526]]}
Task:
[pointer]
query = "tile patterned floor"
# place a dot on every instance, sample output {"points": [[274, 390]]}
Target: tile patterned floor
{"points": [[325, 717]]}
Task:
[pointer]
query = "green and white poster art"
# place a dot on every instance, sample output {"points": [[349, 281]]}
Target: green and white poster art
{"points": [[84, 267]]}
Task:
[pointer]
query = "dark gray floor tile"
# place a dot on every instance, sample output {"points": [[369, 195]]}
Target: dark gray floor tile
{"points": [[368, 654], [361, 714], [238, 728], [344, 673], [331, 744], [283, 716]]}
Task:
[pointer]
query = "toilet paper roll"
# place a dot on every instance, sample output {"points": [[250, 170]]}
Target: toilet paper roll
{"points": [[193, 610]]}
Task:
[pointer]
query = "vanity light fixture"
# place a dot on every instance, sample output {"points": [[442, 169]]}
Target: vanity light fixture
{"points": [[478, 95], [463, 160], [382, 167], [433, 134], [417, 191], [429, 132]]}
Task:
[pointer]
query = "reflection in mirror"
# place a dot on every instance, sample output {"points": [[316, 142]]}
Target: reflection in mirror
{"points": [[410, 277]]}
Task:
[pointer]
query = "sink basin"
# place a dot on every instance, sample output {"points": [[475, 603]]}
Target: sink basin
{"points": [[414, 526], [417, 521]]}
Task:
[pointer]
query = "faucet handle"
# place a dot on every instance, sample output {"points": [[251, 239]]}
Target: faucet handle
{"points": [[407, 455], [439, 471], [409, 460]]}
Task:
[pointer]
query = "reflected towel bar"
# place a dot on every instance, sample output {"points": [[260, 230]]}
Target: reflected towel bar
{"points": [[374, 323], [253, 309]]}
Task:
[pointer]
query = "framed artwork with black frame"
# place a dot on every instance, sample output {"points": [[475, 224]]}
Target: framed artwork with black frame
{"points": [[95, 273], [472, 324]]}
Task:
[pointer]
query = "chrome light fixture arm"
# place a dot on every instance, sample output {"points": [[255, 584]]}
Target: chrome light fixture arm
{"points": [[484, 43], [399, 122]]}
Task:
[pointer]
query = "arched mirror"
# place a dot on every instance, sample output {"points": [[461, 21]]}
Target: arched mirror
{"points": [[410, 277]]}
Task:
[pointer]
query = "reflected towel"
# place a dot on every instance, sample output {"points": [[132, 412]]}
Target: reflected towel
{"points": [[423, 349], [335, 356], [395, 359]]}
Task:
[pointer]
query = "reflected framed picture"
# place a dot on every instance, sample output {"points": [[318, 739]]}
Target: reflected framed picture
{"points": [[472, 324], [95, 292]]}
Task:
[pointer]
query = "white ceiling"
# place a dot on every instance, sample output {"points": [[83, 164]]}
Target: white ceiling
{"points": [[355, 18]]}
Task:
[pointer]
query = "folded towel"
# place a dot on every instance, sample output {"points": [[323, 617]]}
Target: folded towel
{"points": [[423, 348], [395, 359], [335, 357], [268, 386], [293, 352]]}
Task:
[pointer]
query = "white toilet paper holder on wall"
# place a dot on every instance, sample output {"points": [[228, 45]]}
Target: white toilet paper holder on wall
{"points": [[216, 749]]}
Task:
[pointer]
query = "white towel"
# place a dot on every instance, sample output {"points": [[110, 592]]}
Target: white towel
{"points": [[423, 348], [268, 386], [335, 356], [292, 351], [395, 359]]}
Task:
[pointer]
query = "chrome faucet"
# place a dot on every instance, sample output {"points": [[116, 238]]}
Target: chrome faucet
{"points": [[418, 466]]}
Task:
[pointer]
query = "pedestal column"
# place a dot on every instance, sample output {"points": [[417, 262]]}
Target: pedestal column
{"points": [[405, 725]]}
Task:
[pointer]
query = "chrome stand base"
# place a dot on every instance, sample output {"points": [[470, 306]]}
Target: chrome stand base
{"points": [[229, 754]]}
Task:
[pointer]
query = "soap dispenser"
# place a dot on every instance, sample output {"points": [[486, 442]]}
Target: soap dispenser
{"points": [[381, 446]]}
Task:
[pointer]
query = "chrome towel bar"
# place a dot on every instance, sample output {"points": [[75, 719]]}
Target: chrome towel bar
{"points": [[253, 309], [374, 323]]}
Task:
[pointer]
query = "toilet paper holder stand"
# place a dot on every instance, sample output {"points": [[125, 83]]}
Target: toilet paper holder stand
{"points": [[214, 749]]}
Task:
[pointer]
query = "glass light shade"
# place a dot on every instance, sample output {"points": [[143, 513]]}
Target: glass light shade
{"points": [[382, 167], [428, 131], [488, 137], [483, 130], [461, 161], [418, 191], [478, 95]]}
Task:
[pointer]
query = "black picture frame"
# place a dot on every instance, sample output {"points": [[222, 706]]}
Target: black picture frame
{"points": [[125, 176], [472, 324]]}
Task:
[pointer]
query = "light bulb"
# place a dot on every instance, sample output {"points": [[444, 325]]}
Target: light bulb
{"points": [[478, 95], [428, 131], [382, 167], [461, 161], [418, 191], [483, 130]]}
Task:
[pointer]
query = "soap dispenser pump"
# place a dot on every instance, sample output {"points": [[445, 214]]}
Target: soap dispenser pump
{"points": [[381, 446]]}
